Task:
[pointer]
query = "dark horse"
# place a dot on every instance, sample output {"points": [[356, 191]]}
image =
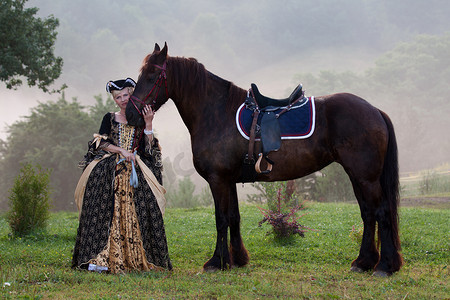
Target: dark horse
{"points": [[348, 130]]}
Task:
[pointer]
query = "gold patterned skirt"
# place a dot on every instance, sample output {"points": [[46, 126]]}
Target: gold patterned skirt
{"points": [[124, 250]]}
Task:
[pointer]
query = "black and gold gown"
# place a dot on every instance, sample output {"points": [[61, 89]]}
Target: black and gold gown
{"points": [[121, 228]]}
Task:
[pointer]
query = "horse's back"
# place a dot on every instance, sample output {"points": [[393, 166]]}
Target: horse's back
{"points": [[347, 104]]}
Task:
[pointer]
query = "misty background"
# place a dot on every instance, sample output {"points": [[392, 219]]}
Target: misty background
{"points": [[392, 53]]}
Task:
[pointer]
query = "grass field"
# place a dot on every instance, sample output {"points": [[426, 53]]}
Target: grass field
{"points": [[314, 267]]}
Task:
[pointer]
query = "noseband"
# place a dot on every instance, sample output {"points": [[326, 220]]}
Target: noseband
{"points": [[162, 77]]}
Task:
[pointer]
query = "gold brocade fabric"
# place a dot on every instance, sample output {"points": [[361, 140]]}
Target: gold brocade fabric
{"points": [[124, 250], [126, 134]]}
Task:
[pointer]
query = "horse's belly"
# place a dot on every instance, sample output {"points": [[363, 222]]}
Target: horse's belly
{"points": [[295, 159]]}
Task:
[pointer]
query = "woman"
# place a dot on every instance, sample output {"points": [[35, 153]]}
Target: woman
{"points": [[119, 195]]}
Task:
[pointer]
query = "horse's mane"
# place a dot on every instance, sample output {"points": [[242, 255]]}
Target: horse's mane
{"points": [[190, 71], [236, 96]]}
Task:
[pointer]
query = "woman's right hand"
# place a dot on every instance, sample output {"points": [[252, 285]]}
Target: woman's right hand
{"points": [[128, 155]]}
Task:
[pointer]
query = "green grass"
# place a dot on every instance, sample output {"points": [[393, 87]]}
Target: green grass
{"points": [[314, 267]]}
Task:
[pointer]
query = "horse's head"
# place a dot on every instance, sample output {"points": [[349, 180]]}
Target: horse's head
{"points": [[151, 87]]}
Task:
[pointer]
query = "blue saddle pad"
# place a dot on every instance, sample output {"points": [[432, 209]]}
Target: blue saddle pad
{"points": [[297, 123]]}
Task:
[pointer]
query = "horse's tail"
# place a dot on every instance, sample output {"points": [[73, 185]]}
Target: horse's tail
{"points": [[390, 182]]}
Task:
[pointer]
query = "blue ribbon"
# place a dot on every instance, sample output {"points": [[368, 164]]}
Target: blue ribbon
{"points": [[133, 177]]}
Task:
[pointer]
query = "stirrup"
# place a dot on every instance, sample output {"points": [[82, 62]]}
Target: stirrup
{"points": [[258, 167]]}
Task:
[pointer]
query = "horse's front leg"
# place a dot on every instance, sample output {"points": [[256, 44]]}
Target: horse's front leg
{"points": [[227, 215], [239, 255], [221, 257]]}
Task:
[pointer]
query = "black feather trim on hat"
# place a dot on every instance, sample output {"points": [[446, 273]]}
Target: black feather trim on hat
{"points": [[119, 85]]}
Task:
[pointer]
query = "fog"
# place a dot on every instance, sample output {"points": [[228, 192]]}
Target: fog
{"points": [[267, 43]]}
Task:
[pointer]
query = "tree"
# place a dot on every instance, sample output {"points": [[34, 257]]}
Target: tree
{"points": [[54, 136], [183, 195], [410, 83], [27, 46]]}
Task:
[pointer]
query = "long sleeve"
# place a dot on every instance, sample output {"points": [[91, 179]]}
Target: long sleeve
{"points": [[150, 153], [105, 129]]}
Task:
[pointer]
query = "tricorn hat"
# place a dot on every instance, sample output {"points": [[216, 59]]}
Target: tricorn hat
{"points": [[119, 84]]}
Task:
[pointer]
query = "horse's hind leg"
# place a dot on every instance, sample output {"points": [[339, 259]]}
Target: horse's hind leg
{"points": [[375, 209], [366, 195], [390, 259]]}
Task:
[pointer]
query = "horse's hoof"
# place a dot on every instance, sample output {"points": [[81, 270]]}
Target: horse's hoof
{"points": [[381, 274], [210, 269], [356, 269]]}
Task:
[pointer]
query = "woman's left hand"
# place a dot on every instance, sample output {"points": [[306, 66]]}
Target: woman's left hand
{"points": [[148, 114]]}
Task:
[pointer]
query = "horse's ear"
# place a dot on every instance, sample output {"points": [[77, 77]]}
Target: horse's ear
{"points": [[161, 56], [164, 50], [156, 47]]}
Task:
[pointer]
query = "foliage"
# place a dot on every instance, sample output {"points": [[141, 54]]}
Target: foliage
{"points": [[284, 225], [409, 82], [433, 182], [283, 205], [356, 233], [268, 193], [169, 176], [87, 40], [332, 184], [27, 46], [183, 195], [55, 136], [259, 197], [29, 200], [314, 267], [205, 197], [100, 108], [428, 180]]}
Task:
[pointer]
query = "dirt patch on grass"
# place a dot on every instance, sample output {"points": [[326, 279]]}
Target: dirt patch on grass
{"points": [[426, 202]]}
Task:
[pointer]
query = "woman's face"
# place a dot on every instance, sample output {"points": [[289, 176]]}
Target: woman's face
{"points": [[121, 98]]}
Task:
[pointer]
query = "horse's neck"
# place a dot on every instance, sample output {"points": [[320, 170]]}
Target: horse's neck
{"points": [[187, 113], [196, 112], [209, 108]]}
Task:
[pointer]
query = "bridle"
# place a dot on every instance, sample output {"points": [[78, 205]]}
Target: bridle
{"points": [[156, 87]]}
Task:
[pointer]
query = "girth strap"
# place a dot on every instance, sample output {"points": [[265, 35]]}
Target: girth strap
{"points": [[249, 158], [251, 143]]}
